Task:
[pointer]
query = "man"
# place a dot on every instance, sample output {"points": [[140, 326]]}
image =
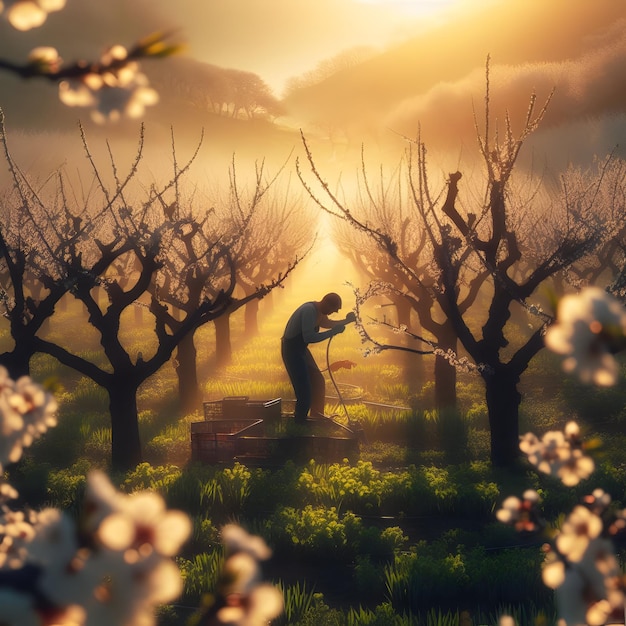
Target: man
{"points": [[302, 329]]}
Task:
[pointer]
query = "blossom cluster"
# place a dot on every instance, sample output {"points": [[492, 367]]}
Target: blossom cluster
{"points": [[27, 411], [560, 454], [111, 87], [582, 568], [580, 563], [27, 14], [114, 563], [242, 598], [118, 88], [112, 567], [522, 513], [590, 328]]}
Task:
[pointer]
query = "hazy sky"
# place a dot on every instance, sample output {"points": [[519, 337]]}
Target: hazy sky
{"points": [[278, 39], [577, 47]]}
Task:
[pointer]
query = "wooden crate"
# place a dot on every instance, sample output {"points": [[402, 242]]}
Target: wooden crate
{"points": [[215, 441], [277, 450], [241, 407], [237, 428]]}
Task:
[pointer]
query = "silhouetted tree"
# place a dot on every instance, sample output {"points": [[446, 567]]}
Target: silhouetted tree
{"points": [[252, 95], [387, 206], [206, 257], [83, 250], [498, 238], [280, 228], [603, 186], [28, 297]]}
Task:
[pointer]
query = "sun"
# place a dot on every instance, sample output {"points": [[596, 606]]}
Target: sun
{"points": [[413, 7]]}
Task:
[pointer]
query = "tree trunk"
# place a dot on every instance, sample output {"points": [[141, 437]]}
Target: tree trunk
{"points": [[445, 372], [412, 364], [17, 361], [125, 442], [187, 372], [251, 318], [223, 348], [503, 401], [445, 384]]}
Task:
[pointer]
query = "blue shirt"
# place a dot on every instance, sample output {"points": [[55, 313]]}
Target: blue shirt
{"points": [[305, 321]]}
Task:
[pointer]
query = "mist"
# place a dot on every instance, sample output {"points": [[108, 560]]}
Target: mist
{"points": [[425, 75]]}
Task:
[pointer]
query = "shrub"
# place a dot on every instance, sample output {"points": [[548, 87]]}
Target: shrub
{"points": [[318, 532], [168, 447], [360, 488], [368, 578], [65, 487]]}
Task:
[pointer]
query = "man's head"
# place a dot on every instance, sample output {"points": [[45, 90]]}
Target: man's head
{"points": [[330, 303]]}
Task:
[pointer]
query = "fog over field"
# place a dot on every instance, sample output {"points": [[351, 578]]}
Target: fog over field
{"points": [[416, 65]]}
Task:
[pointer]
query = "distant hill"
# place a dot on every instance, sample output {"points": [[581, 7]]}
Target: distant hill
{"points": [[433, 79]]}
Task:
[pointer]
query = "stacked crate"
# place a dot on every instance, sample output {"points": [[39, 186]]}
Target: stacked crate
{"points": [[226, 421]]}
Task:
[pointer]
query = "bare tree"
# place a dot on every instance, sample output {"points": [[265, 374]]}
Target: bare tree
{"points": [[281, 228], [603, 185], [81, 244], [210, 254], [269, 232], [497, 238], [34, 236], [387, 207]]}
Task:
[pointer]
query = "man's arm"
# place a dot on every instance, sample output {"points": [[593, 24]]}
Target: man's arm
{"points": [[309, 322], [326, 322]]}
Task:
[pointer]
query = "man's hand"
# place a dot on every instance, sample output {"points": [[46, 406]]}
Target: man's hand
{"points": [[351, 317]]}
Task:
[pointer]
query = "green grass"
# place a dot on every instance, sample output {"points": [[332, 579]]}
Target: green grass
{"points": [[419, 471]]}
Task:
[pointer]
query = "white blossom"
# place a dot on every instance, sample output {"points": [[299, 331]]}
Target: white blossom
{"points": [[264, 603], [559, 453], [588, 591], [580, 527], [118, 90], [143, 524], [521, 513], [589, 328], [247, 601], [26, 412], [46, 58], [236, 539], [27, 14]]}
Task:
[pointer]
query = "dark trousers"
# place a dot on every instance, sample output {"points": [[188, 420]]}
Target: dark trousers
{"points": [[306, 379]]}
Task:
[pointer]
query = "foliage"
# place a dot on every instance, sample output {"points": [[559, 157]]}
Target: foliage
{"points": [[66, 487], [432, 575], [301, 603], [200, 572], [358, 488], [319, 532]]}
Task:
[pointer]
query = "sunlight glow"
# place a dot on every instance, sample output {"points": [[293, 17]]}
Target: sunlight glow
{"points": [[413, 7]]}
